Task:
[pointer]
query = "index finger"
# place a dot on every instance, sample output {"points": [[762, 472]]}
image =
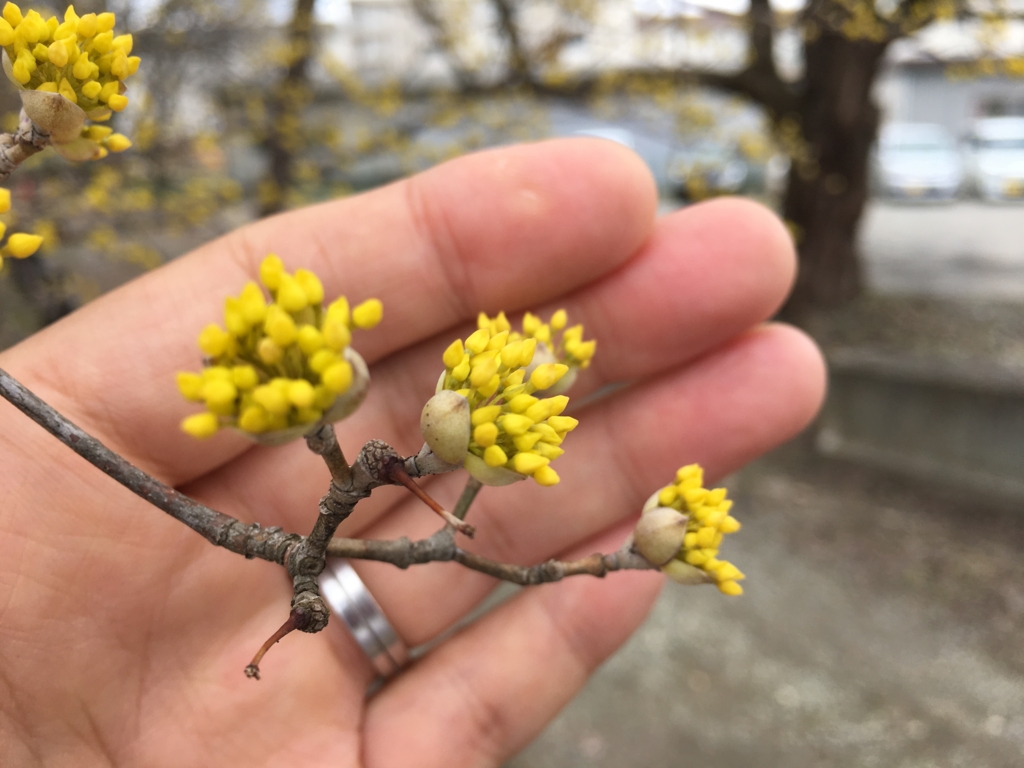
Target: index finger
{"points": [[502, 229]]}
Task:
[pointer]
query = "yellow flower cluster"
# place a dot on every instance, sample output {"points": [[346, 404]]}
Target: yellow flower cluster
{"points": [[709, 522], [511, 428], [282, 364], [566, 345], [19, 245], [79, 58]]}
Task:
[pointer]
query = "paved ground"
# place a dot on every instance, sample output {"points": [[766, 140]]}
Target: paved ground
{"points": [[882, 626], [967, 249]]}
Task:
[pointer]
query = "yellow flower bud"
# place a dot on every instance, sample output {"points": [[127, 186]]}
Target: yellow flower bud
{"points": [[301, 394], [563, 423], [485, 414], [338, 377], [495, 457], [546, 375], [220, 396], [528, 463], [321, 359], [102, 42], [118, 143], [254, 419], [271, 398], [105, 22], [119, 66], [21, 71], [730, 588], [57, 53], [516, 424], [244, 377], [200, 425], [271, 269], [123, 43], [526, 442], [83, 69], [477, 341], [336, 334], [338, 311], [546, 476], [368, 314], [117, 102], [5, 201], [233, 318], [483, 373], [548, 451], [310, 285], [729, 525], [21, 245], [6, 33], [485, 434], [91, 90], [280, 327], [87, 25], [728, 572], [310, 339], [452, 356], [190, 385], [269, 352], [461, 371], [12, 14], [290, 295]]}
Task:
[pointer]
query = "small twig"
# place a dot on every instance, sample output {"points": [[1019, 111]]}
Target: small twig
{"points": [[469, 493], [295, 620], [18, 147], [398, 474], [441, 548], [324, 443]]}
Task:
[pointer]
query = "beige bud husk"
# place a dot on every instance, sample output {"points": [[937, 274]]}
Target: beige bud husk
{"points": [[445, 424], [659, 534], [652, 501], [53, 114], [684, 573], [79, 150], [488, 475]]}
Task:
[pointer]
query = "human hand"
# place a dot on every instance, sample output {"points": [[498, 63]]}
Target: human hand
{"points": [[123, 634]]}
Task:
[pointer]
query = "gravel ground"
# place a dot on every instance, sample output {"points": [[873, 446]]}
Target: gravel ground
{"points": [[881, 626]]}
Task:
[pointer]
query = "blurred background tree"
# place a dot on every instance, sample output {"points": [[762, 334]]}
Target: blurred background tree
{"points": [[248, 107]]}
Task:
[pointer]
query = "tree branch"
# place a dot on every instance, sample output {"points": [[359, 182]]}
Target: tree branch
{"points": [[223, 530], [18, 147], [441, 548]]}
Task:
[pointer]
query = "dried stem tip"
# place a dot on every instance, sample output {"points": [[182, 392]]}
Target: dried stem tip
{"points": [[295, 621], [398, 475]]}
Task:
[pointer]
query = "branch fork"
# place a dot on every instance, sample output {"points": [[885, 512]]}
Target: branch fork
{"points": [[304, 557]]}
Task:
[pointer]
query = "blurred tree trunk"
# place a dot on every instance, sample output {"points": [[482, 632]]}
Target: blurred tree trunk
{"points": [[43, 287], [828, 182], [285, 104]]}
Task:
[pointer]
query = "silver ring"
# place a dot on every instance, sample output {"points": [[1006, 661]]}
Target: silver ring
{"points": [[349, 598]]}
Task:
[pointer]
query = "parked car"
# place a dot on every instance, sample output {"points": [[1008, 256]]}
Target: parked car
{"points": [[995, 151], [706, 169], [918, 161]]}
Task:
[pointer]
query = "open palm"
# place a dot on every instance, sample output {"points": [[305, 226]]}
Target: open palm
{"points": [[123, 634]]}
